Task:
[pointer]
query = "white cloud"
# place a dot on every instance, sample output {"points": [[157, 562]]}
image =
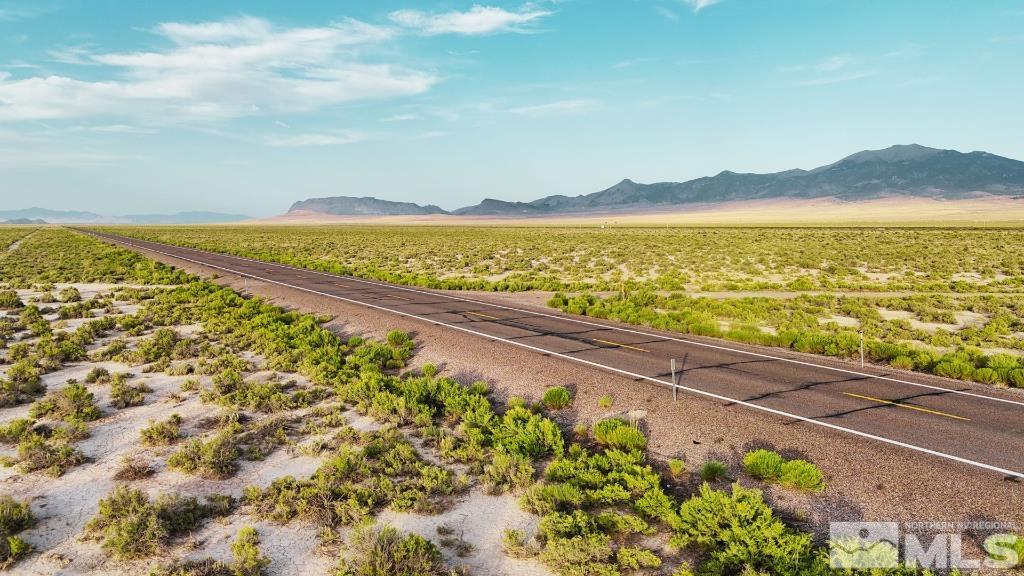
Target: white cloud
{"points": [[477, 20], [302, 140], [833, 63], [400, 118], [699, 5], [830, 64], [23, 158], [667, 13], [629, 63], [115, 129], [430, 135], [218, 70], [557, 107], [25, 12], [837, 78]]}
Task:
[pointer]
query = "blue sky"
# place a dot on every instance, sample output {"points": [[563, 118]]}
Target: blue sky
{"points": [[128, 107]]}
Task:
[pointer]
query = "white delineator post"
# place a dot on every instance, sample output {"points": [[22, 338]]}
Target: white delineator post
{"points": [[673, 379], [862, 349]]}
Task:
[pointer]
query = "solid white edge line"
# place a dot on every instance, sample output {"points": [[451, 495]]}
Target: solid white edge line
{"points": [[599, 325], [620, 371]]}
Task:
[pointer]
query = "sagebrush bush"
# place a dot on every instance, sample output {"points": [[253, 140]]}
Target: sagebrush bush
{"points": [[763, 464], [9, 299], [556, 398], [162, 433], [802, 475], [124, 395], [382, 551], [507, 471], [12, 549], [737, 531], [615, 433], [98, 375], [51, 455], [15, 516], [133, 468], [514, 544], [15, 430], [248, 560], [632, 558], [73, 402], [676, 467], [385, 471], [216, 458], [69, 294], [713, 470], [129, 525]]}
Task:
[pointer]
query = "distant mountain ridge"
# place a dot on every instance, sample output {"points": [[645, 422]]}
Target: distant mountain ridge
{"points": [[80, 217], [36, 213], [364, 206], [192, 217], [901, 170]]}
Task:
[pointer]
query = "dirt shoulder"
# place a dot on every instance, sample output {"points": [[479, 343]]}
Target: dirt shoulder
{"points": [[866, 480]]}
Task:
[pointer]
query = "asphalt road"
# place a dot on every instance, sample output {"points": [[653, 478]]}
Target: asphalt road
{"points": [[968, 423]]}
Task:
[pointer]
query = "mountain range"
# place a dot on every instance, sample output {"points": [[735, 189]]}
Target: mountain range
{"points": [[902, 170], [365, 206], [80, 217]]}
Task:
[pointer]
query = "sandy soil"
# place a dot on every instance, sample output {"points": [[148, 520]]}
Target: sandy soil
{"points": [[866, 480], [64, 505]]}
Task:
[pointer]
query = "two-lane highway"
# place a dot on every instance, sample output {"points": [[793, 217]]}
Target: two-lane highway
{"points": [[963, 422]]}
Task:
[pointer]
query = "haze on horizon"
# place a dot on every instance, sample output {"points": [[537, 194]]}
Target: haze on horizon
{"points": [[119, 107]]}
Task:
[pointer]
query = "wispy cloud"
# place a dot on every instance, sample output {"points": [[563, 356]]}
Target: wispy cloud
{"points": [[476, 21], [400, 118], [557, 107], [218, 70], [837, 78], [432, 134], [831, 70], [115, 129], [631, 62], [667, 13], [699, 5], [15, 13], [829, 64], [315, 139], [23, 158]]}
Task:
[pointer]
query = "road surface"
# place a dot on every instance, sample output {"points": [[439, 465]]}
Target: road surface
{"points": [[972, 424]]}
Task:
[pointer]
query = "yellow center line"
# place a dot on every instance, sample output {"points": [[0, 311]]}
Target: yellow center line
{"points": [[907, 406], [398, 297], [619, 344], [482, 315]]}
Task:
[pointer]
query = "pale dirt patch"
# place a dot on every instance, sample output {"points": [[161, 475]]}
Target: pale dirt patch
{"points": [[895, 314], [481, 520], [965, 318], [844, 321], [292, 548]]}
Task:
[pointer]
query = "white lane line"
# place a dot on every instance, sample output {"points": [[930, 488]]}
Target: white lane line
{"points": [[616, 328], [620, 371]]}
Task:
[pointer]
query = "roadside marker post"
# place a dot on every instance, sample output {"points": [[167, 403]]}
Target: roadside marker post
{"points": [[862, 349], [675, 384]]}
